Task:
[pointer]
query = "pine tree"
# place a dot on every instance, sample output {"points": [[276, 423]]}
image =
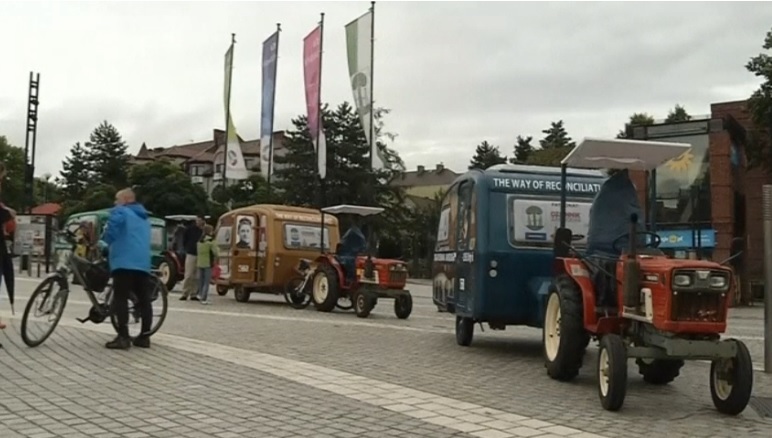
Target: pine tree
{"points": [[108, 154], [485, 156], [678, 114], [637, 119], [76, 174], [556, 137], [523, 150]]}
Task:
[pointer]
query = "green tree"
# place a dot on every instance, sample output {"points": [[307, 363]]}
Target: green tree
{"points": [[760, 106], [165, 189], [97, 197], [637, 119], [523, 149], [250, 191], [485, 156], [76, 174], [556, 137], [13, 185], [46, 190], [677, 114], [548, 157], [107, 153]]}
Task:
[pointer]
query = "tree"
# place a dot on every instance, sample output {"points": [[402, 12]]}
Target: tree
{"points": [[485, 156], [250, 191], [677, 114], [637, 119], [523, 150], [76, 173], [46, 190], [548, 157], [107, 153], [165, 189], [13, 185], [556, 137], [350, 178], [760, 106]]}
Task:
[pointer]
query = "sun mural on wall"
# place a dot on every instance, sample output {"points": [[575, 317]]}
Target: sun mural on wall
{"points": [[681, 163]]}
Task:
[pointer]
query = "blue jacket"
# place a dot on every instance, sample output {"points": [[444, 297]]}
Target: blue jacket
{"points": [[128, 238]]}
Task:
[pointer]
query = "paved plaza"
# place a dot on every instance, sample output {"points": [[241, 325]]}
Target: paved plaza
{"points": [[261, 369]]}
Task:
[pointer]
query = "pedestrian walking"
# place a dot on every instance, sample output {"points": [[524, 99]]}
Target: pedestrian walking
{"points": [[190, 241], [7, 229], [206, 258], [128, 238]]}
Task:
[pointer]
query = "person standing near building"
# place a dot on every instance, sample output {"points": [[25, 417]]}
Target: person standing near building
{"points": [[208, 252], [128, 238], [190, 241]]}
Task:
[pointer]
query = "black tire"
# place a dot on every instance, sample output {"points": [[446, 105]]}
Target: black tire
{"points": [[363, 304], [348, 306], [241, 294], [221, 290], [612, 394], [326, 278], [403, 306], [47, 291], [740, 374], [464, 331], [659, 371], [169, 264], [564, 363], [297, 299]]}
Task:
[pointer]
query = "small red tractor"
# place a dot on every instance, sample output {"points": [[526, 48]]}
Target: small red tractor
{"points": [[666, 310], [352, 272]]}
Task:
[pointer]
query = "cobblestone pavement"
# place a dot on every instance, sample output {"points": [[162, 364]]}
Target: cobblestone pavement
{"points": [[261, 369]]}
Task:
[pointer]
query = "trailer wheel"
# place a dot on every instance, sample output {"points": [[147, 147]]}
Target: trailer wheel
{"points": [[222, 290], [464, 331], [659, 371], [563, 335], [731, 381], [612, 372], [241, 294]]}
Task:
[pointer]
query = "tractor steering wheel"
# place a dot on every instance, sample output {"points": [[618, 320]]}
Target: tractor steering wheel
{"points": [[652, 243]]}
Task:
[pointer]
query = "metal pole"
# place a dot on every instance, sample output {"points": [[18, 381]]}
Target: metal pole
{"points": [[767, 203]]}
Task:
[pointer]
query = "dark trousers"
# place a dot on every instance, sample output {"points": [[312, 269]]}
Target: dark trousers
{"points": [[128, 283]]}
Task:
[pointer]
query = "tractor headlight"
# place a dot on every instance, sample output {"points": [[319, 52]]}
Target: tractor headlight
{"points": [[682, 280], [718, 281], [397, 268]]}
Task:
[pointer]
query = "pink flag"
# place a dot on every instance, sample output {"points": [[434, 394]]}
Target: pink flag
{"points": [[312, 68]]}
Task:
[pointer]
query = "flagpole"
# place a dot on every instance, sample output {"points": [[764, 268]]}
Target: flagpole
{"points": [[228, 114], [372, 88], [273, 111], [322, 194]]}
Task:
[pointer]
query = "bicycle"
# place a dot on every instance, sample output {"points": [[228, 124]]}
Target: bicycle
{"points": [[94, 276]]}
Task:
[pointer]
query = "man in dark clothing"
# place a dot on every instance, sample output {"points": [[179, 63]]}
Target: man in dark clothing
{"points": [[128, 237], [190, 243]]}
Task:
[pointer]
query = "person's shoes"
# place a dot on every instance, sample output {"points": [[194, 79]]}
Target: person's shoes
{"points": [[119, 343], [183, 298], [142, 341], [194, 298]]}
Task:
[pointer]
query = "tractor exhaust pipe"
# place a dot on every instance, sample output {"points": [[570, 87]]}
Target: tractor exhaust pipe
{"points": [[632, 270]]}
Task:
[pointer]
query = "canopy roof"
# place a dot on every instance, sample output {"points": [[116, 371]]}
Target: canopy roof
{"points": [[594, 153], [353, 209]]}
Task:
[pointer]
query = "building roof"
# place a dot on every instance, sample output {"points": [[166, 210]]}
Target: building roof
{"points": [[439, 176], [47, 209]]}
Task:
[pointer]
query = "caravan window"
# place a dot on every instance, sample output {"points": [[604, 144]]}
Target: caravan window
{"points": [[446, 229], [533, 221]]}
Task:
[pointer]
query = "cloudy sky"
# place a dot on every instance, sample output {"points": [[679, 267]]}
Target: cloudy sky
{"points": [[453, 73]]}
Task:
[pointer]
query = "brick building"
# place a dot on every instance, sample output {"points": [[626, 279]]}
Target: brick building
{"points": [[720, 196]]}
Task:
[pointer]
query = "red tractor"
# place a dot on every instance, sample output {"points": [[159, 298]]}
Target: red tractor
{"points": [[663, 310], [352, 272]]}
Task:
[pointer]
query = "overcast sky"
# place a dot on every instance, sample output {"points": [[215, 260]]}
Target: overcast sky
{"points": [[453, 73]]}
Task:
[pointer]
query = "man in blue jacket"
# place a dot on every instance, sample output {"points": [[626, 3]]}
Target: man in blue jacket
{"points": [[128, 237]]}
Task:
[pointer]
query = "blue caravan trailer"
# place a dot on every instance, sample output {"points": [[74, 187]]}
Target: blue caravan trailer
{"points": [[493, 261]]}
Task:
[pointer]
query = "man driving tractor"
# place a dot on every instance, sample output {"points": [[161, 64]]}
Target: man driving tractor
{"points": [[352, 244], [609, 225]]}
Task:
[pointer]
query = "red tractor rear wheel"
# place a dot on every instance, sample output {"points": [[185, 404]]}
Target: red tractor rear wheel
{"points": [[563, 336], [325, 288]]}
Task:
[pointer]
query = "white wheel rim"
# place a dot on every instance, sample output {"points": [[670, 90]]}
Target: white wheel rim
{"points": [[722, 386], [552, 327], [165, 274], [320, 288], [604, 368]]}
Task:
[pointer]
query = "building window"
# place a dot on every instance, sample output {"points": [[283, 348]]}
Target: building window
{"points": [[683, 185], [218, 168]]}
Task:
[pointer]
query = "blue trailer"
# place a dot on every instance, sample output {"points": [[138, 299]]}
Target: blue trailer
{"points": [[494, 253]]}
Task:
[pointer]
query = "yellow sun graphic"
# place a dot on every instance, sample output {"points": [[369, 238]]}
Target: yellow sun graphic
{"points": [[682, 162]]}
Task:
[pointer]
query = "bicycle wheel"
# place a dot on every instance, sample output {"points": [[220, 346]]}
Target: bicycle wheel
{"points": [[296, 297], [48, 300], [159, 297]]}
